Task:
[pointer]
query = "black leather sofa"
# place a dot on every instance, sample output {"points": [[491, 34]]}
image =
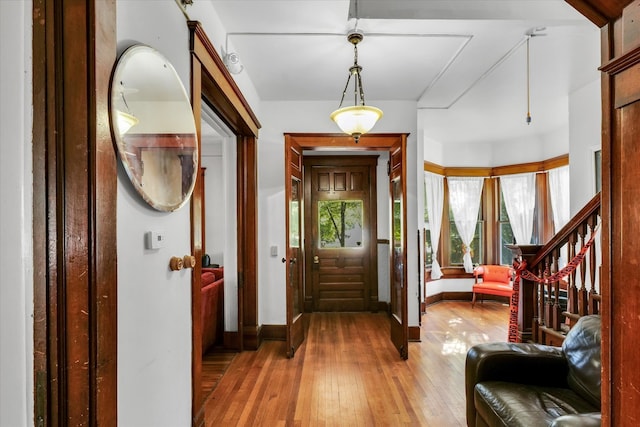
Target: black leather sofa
{"points": [[530, 385]]}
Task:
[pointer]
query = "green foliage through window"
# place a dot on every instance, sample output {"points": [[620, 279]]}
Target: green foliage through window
{"points": [[457, 248], [340, 223], [506, 234]]}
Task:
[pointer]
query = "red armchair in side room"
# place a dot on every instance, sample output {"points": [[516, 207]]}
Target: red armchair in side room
{"points": [[492, 280], [212, 307]]}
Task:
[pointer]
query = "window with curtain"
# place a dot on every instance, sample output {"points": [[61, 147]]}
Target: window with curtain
{"points": [[519, 193], [506, 234], [492, 224], [464, 202], [559, 191], [428, 249], [457, 246], [434, 200]]}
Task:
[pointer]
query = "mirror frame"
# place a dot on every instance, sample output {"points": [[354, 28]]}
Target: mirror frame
{"points": [[153, 128]]}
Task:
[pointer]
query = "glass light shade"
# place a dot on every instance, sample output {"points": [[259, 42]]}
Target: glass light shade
{"points": [[125, 121], [358, 119]]}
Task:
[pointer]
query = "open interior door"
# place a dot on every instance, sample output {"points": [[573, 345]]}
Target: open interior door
{"points": [[294, 257], [397, 177]]}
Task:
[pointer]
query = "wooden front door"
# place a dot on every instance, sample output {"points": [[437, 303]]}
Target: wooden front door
{"points": [[341, 236]]}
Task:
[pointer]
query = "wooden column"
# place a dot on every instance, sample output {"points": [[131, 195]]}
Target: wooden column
{"points": [[526, 300], [74, 211], [620, 23]]}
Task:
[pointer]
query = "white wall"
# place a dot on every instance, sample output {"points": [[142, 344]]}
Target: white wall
{"points": [[531, 149], [215, 205], [16, 248], [585, 119], [221, 221], [154, 303], [449, 285]]}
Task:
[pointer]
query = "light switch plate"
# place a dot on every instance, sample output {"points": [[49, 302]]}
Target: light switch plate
{"points": [[274, 251]]}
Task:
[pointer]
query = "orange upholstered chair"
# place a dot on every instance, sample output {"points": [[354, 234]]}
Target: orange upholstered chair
{"points": [[495, 280]]}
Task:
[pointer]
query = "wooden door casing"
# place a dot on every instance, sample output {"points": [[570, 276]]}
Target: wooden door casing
{"points": [[211, 81], [341, 278], [396, 145]]}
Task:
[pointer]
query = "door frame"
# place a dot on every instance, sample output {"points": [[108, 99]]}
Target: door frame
{"points": [[340, 142], [74, 189], [211, 80], [372, 303]]}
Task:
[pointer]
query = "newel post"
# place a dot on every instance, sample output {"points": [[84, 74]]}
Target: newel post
{"points": [[523, 255]]}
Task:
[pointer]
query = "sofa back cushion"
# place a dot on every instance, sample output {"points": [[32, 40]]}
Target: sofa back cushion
{"points": [[496, 273], [582, 350], [208, 278], [218, 272]]}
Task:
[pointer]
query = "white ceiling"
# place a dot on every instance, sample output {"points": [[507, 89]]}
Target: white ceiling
{"points": [[462, 61]]}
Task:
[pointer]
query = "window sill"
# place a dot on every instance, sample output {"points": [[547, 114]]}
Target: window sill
{"points": [[448, 273]]}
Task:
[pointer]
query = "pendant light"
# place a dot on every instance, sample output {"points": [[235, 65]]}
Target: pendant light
{"points": [[534, 32], [359, 118]]}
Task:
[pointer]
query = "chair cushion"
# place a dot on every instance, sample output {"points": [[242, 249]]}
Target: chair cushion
{"points": [[493, 288], [581, 347], [496, 273], [518, 405]]}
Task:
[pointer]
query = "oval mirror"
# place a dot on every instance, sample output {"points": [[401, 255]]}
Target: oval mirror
{"points": [[154, 128]]}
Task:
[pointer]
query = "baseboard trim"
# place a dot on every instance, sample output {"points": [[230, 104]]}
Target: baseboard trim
{"points": [[414, 334], [384, 307], [231, 340], [460, 296], [274, 332], [252, 337]]}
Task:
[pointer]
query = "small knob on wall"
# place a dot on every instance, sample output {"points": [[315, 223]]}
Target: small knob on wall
{"points": [[176, 263], [189, 261]]}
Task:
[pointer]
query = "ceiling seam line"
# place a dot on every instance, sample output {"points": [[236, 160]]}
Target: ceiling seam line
{"points": [[446, 67], [482, 77]]}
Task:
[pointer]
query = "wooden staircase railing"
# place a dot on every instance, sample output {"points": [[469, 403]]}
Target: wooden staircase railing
{"points": [[550, 309]]}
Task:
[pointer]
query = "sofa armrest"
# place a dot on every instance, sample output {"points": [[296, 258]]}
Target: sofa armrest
{"points": [[534, 364]]}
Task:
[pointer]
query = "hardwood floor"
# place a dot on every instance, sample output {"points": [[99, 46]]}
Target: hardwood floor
{"points": [[214, 365], [347, 372]]}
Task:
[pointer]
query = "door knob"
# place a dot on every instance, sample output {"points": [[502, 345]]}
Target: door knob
{"points": [[316, 260], [189, 261], [176, 263]]}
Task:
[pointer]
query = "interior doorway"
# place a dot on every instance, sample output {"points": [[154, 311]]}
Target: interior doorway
{"points": [[211, 81], [219, 245], [341, 233], [297, 146]]}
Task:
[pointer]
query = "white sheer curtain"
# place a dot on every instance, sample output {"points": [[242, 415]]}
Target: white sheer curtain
{"points": [[434, 192], [464, 200], [519, 192], [559, 189]]}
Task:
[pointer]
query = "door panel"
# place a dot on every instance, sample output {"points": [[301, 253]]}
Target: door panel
{"points": [[294, 260], [342, 234], [399, 326]]}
